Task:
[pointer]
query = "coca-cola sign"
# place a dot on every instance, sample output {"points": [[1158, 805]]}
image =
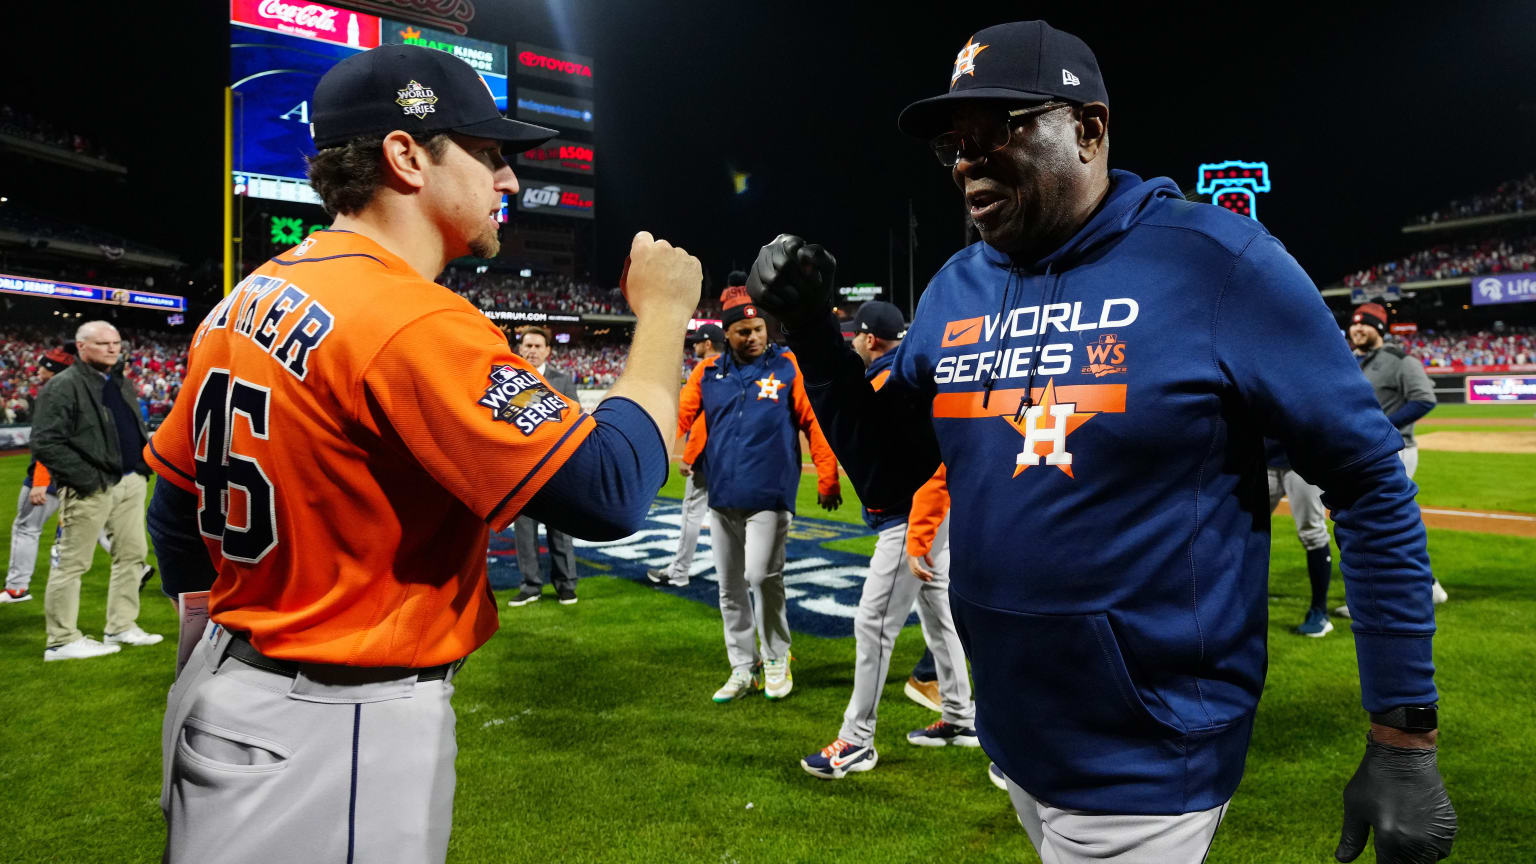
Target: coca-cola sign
{"points": [[309, 20], [452, 15]]}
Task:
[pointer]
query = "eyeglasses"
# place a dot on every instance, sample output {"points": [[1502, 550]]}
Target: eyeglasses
{"points": [[990, 137]]}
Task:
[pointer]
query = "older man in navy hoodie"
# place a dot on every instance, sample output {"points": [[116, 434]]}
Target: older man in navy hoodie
{"points": [[1098, 377]]}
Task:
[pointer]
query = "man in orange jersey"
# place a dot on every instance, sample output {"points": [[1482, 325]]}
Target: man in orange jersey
{"points": [[348, 434]]}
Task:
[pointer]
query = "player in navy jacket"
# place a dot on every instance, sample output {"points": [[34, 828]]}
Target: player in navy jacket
{"points": [[754, 406], [1100, 373]]}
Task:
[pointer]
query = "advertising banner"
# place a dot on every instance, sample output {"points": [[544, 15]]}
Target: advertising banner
{"points": [[309, 20], [1501, 389], [547, 109], [530, 316], [557, 199], [90, 293], [554, 65], [487, 58], [1504, 288], [1383, 293], [559, 155], [1404, 328]]}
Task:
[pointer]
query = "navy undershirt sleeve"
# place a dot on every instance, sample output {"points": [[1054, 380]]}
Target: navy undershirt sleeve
{"points": [[605, 490], [1409, 413], [179, 548]]}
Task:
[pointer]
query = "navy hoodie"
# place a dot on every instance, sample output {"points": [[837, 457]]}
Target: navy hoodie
{"points": [[1110, 533]]}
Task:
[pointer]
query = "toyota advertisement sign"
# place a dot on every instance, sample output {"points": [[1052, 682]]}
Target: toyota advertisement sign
{"points": [[552, 65], [1504, 288], [557, 199]]}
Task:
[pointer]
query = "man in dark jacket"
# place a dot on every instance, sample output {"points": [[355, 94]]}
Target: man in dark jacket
{"points": [[90, 434], [534, 345], [1097, 377]]}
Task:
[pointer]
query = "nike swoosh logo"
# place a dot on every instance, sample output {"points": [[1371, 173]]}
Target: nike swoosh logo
{"points": [[956, 334], [838, 763]]}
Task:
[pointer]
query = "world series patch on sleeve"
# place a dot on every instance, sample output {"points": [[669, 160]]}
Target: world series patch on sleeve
{"points": [[521, 398]]}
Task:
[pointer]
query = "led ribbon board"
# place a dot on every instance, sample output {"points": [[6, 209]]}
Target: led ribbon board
{"points": [[1233, 184]]}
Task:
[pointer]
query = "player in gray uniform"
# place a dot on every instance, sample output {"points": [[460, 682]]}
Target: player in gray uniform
{"points": [[707, 341], [1311, 529], [36, 504], [895, 582], [1402, 387]]}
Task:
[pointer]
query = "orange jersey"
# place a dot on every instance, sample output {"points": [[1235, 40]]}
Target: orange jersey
{"points": [[352, 432], [930, 504]]}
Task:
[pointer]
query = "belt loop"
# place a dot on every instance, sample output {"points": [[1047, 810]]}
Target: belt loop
{"points": [[216, 639]]}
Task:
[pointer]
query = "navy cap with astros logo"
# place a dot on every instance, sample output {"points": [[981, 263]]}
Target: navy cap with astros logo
{"points": [[1018, 63], [878, 318], [414, 89]]}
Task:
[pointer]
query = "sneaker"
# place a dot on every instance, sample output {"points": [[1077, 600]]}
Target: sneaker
{"points": [[664, 579], [148, 574], [526, 596], [738, 685], [1317, 624], [134, 635], [996, 775], [924, 693], [942, 733], [81, 649], [777, 679], [1438, 593], [839, 759], [1341, 612], [567, 596], [15, 595]]}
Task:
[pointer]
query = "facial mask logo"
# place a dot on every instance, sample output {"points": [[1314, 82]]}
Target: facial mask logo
{"points": [[416, 100]]}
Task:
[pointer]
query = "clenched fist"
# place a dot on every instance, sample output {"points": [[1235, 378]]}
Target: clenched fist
{"points": [[661, 280], [793, 280]]}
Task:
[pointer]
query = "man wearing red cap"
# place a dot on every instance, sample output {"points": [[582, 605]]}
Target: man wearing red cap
{"points": [[1401, 385]]}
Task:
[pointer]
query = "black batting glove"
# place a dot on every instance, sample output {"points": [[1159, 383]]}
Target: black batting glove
{"points": [[1398, 791], [793, 280]]}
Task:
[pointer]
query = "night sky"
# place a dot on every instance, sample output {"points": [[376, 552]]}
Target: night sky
{"points": [[1366, 116]]}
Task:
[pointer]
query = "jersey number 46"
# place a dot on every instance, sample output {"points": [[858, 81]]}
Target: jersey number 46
{"points": [[247, 530]]}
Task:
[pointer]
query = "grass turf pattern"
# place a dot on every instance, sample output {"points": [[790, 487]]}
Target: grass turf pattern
{"points": [[586, 733]]}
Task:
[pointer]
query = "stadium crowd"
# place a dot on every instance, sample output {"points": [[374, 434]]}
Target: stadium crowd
{"points": [[23, 125], [1509, 197], [544, 291], [155, 361], [1514, 346], [1450, 260]]}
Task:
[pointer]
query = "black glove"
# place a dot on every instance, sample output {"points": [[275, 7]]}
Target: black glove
{"points": [[793, 280], [1400, 793]]}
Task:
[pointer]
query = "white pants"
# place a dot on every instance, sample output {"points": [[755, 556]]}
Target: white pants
{"points": [[26, 535], [1074, 837], [695, 509], [890, 590], [1410, 457], [749, 562], [1306, 506]]}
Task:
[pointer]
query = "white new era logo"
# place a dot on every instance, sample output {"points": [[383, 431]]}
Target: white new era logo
{"points": [[1069, 78]]}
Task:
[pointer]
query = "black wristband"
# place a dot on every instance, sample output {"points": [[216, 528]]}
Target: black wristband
{"points": [[1409, 718]]}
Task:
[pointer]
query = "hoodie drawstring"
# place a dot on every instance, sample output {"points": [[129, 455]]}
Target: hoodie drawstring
{"points": [[986, 389], [1028, 400]]}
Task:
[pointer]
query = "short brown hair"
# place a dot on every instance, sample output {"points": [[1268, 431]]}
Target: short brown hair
{"points": [[537, 331], [347, 176]]}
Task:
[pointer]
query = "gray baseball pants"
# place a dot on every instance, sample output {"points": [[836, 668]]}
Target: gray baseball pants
{"points": [[562, 555], [695, 510], [260, 767], [749, 562], [890, 590], [1306, 506], [1075, 837], [26, 535], [1410, 457]]}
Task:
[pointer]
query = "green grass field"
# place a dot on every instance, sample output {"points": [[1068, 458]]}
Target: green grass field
{"points": [[586, 733]]}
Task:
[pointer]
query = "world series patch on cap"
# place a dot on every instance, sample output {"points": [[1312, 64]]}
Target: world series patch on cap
{"points": [[413, 89], [1018, 63]]}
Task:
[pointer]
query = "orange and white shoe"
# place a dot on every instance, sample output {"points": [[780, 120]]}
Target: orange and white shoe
{"points": [[839, 759]]}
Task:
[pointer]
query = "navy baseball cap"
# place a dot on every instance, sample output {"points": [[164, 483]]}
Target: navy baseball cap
{"points": [[1019, 63], [712, 332], [878, 318], [417, 90]]}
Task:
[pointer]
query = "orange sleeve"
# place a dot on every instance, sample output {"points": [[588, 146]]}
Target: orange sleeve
{"points": [[698, 434], [474, 415], [692, 398], [821, 452], [930, 504], [40, 475]]}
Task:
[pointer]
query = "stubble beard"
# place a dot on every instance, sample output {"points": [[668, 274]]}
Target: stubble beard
{"points": [[486, 245]]}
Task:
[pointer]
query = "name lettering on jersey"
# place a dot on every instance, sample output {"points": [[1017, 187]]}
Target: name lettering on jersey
{"points": [[292, 350], [521, 398]]}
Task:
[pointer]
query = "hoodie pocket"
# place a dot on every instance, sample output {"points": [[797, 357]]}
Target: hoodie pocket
{"points": [[1060, 680]]}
